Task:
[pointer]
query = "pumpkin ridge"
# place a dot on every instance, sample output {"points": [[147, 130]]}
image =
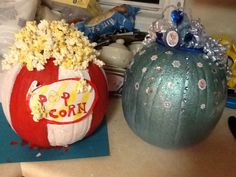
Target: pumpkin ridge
{"points": [[133, 73], [154, 98], [198, 92], [207, 79], [157, 86], [160, 81], [150, 62], [161, 74], [138, 94], [135, 106], [195, 68], [127, 95], [176, 138]]}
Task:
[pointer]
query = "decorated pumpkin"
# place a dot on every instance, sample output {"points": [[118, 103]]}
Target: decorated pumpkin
{"points": [[57, 100], [174, 93]]}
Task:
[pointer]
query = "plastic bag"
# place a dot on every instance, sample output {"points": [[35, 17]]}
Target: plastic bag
{"points": [[72, 10], [13, 16], [120, 18]]}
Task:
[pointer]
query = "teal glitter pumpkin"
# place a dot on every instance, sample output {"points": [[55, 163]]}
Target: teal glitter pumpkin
{"points": [[173, 98]]}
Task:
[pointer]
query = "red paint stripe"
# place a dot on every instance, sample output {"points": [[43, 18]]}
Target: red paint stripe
{"points": [[98, 78], [22, 121]]}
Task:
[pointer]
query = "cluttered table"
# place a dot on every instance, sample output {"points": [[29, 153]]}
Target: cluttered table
{"points": [[132, 157], [113, 149]]}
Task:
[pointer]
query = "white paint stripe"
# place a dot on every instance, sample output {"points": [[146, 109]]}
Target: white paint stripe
{"points": [[63, 135], [81, 130], [65, 74], [7, 83]]}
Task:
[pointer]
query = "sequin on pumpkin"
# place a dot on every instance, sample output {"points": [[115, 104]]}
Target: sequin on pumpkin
{"points": [[203, 106], [176, 64], [200, 65], [144, 70], [154, 57], [167, 104], [202, 84], [136, 86], [169, 52]]}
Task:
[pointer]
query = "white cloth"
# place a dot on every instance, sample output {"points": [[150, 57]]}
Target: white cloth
{"points": [[13, 15]]}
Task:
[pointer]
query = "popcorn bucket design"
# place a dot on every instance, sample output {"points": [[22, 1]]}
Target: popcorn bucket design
{"points": [[55, 91]]}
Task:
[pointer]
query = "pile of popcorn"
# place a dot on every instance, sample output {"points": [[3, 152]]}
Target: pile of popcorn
{"points": [[36, 43], [37, 110]]}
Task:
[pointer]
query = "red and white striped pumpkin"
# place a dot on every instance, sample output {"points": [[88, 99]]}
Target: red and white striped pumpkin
{"points": [[14, 89]]}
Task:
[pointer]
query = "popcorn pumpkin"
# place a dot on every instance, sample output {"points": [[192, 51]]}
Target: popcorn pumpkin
{"points": [[54, 91]]}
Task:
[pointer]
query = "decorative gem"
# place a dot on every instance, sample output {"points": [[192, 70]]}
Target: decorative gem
{"points": [[202, 84], [186, 34], [172, 38], [177, 16]]}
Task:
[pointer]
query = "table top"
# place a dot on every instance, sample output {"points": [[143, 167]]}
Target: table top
{"points": [[130, 156]]}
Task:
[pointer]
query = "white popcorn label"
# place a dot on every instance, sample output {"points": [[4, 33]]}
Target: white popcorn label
{"points": [[63, 102]]}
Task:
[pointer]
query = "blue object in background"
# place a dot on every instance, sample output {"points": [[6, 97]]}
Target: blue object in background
{"points": [[12, 149], [231, 103], [110, 23], [231, 100]]}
